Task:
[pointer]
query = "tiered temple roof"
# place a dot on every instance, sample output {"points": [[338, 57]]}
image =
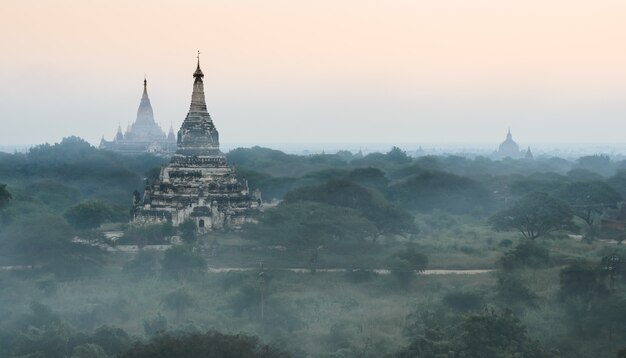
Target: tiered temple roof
{"points": [[144, 135], [198, 184]]}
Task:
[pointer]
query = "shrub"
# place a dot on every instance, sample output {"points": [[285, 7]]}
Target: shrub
{"points": [[180, 262]]}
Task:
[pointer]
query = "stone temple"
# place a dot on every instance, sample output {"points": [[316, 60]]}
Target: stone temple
{"points": [[145, 135], [198, 184], [510, 149]]}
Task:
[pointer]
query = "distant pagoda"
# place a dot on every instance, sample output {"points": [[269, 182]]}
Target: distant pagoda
{"points": [[510, 149], [144, 135], [198, 184]]}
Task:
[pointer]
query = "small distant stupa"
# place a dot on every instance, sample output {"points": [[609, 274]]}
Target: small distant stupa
{"points": [[510, 149], [144, 135], [198, 184]]}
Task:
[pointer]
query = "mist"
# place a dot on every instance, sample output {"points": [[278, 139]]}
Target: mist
{"points": [[288, 179]]}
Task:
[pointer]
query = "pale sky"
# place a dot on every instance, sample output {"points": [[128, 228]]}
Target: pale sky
{"points": [[318, 71]]}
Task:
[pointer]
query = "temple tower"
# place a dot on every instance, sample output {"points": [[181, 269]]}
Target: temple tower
{"points": [[198, 184], [144, 135]]}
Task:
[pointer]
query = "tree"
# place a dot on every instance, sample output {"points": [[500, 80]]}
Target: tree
{"points": [[306, 225], [37, 239], [201, 345], [589, 199], [600, 164], [497, 334], [188, 231], [511, 289], [88, 215], [486, 334], [430, 190], [143, 265], [581, 279], [405, 264], [525, 254], [368, 202], [181, 262], [5, 196], [535, 215], [397, 155], [178, 301]]}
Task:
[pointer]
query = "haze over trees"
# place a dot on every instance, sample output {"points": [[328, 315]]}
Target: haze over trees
{"points": [[361, 233]]}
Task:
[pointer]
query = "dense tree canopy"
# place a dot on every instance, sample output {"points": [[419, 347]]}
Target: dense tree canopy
{"points": [[369, 203], [588, 199], [308, 225], [439, 190], [203, 345], [487, 334], [535, 215], [88, 215], [5, 196], [181, 262]]}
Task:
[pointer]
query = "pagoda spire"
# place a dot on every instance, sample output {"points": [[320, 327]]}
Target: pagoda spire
{"points": [[119, 135], [198, 102], [197, 135], [144, 112]]}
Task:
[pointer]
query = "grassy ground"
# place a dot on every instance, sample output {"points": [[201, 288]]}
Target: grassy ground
{"points": [[320, 314]]}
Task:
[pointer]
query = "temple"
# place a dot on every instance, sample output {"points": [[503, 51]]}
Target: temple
{"points": [[198, 184], [144, 135], [510, 149]]}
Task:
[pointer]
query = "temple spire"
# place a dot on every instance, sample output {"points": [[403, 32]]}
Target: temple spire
{"points": [[144, 112], [198, 103], [119, 135], [197, 135]]}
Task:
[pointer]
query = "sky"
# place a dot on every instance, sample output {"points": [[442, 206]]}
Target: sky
{"points": [[335, 71]]}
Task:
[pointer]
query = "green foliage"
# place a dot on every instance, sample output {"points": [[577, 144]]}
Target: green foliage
{"points": [[397, 155], [181, 262], [405, 264], [589, 199], [5, 196], [277, 163], [143, 265], [369, 203], [48, 285], [308, 225], [152, 234], [439, 190], [51, 178], [46, 240], [600, 164], [497, 334], [581, 279], [197, 345], [247, 298], [464, 301], [155, 325], [369, 177], [271, 187], [88, 215], [535, 215], [511, 290], [486, 334], [525, 254], [178, 301], [188, 230], [113, 340], [89, 350], [543, 184]]}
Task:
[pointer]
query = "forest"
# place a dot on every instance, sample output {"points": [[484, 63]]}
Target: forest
{"points": [[377, 255]]}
